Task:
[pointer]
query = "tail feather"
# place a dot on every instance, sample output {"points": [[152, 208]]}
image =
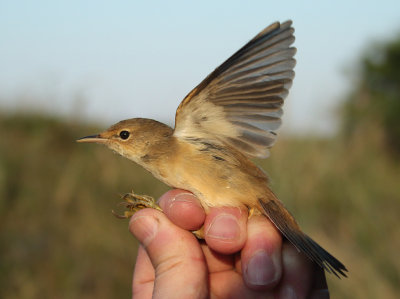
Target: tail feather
{"points": [[285, 222]]}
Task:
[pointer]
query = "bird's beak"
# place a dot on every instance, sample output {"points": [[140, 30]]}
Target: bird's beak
{"points": [[93, 139]]}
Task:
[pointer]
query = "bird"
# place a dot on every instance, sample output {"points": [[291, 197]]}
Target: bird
{"points": [[229, 118]]}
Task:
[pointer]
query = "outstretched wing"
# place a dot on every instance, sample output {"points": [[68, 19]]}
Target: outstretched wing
{"points": [[240, 102]]}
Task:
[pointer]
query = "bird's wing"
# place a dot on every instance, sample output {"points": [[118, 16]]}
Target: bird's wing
{"points": [[240, 102]]}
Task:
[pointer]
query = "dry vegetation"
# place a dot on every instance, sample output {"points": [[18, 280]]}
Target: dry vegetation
{"points": [[58, 238]]}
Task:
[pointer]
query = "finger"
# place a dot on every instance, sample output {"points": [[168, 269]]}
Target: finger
{"points": [[297, 273], [183, 209], [226, 229], [319, 294], [225, 280], [218, 262], [320, 286], [319, 278], [143, 276], [180, 270], [261, 255]]}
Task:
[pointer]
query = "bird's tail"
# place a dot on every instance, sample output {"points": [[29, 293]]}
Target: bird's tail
{"points": [[286, 223]]}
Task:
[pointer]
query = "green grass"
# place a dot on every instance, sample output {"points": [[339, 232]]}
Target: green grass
{"points": [[58, 238]]}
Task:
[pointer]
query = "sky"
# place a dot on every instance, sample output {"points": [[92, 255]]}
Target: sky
{"points": [[104, 61]]}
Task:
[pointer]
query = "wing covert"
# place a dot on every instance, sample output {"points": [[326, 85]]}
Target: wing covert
{"points": [[240, 102]]}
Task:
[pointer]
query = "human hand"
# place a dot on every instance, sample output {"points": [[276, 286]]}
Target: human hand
{"points": [[239, 258]]}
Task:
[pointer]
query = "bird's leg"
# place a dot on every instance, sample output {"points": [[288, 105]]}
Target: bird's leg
{"points": [[251, 212], [134, 202], [199, 234]]}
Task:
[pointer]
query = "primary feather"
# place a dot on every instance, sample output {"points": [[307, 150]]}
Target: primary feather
{"points": [[240, 102]]}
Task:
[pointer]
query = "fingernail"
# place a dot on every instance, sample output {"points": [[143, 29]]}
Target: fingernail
{"points": [[144, 228], [288, 293], [260, 270], [184, 198], [225, 227]]}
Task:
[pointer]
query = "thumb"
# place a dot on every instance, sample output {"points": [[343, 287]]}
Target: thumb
{"points": [[177, 258]]}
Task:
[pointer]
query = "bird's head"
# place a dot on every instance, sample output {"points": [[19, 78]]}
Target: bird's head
{"points": [[132, 138]]}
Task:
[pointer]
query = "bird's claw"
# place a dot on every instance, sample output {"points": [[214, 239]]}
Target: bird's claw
{"points": [[134, 202]]}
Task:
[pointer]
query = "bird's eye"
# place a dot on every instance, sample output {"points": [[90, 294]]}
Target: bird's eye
{"points": [[124, 135]]}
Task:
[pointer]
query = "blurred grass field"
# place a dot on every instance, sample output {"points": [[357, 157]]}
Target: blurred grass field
{"points": [[58, 238]]}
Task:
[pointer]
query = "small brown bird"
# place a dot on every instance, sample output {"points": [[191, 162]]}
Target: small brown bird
{"points": [[230, 117]]}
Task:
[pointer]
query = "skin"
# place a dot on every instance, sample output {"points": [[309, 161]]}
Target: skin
{"points": [[229, 117], [222, 266]]}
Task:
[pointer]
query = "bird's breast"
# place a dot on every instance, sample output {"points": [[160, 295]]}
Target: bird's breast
{"points": [[216, 176]]}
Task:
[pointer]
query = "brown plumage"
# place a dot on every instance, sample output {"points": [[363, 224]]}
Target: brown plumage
{"points": [[231, 116]]}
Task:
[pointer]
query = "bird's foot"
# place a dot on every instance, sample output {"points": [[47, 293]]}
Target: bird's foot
{"points": [[199, 234], [134, 202]]}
